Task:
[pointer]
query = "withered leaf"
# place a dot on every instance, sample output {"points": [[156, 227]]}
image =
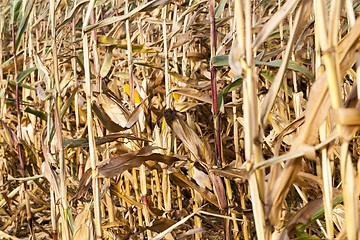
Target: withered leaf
{"points": [[219, 190], [84, 184], [8, 135], [231, 173], [118, 164], [192, 141], [179, 177], [106, 120], [160, 225], [303, 216]]}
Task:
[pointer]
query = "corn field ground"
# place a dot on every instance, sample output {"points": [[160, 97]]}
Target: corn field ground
{"points": [[188, 119]]}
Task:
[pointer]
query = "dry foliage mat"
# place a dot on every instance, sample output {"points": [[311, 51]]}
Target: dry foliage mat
{"points": [[190, 119]]}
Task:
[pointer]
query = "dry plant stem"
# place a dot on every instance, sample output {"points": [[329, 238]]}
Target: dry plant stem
{"points": [[3, 83], [137, 195], [109, 201], [237, 163], [252, 151], [95, 54], [351, 19], [326, 175], [328, 44], [63, 184], [92, 146], [74, 66], [20, 149], [213, 39], [167, 79], [282, 54], [64, 211], [326, 167], [350, 197], [166, 185], [166, 129], [53, 214], [240, 36], [231, 203], [128, 193], [129, 54], [132, 101]]}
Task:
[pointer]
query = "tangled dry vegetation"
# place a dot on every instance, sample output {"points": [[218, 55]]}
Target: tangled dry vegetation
{"points": [[191, 119]]}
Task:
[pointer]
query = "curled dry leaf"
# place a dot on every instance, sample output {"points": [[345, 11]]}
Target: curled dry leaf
{"points": [[84, 142], [192, 141], [232, 173], [117, 165], [113, 115], [161, 224], [181, 180], [8, 135], [193, 93], [115, 110], [84, 184], [219, 190]]}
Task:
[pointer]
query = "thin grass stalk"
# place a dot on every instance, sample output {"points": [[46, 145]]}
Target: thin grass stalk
{"points": [[98, 88], [352, 19], [237, 161], [64, 212], [197, 220], [3, 83], [137, 196], [76, 100], [178, 189], [128, 193], [63, 184], [286, 94], [167, 79], [92, 146], [95, 54], [129, 54], [53, 214], [20, 148], [213, 40], [156, 174], [297, 96], [109, 201], [166, 130], [185, 46], [236, 231], [157, 188]]}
